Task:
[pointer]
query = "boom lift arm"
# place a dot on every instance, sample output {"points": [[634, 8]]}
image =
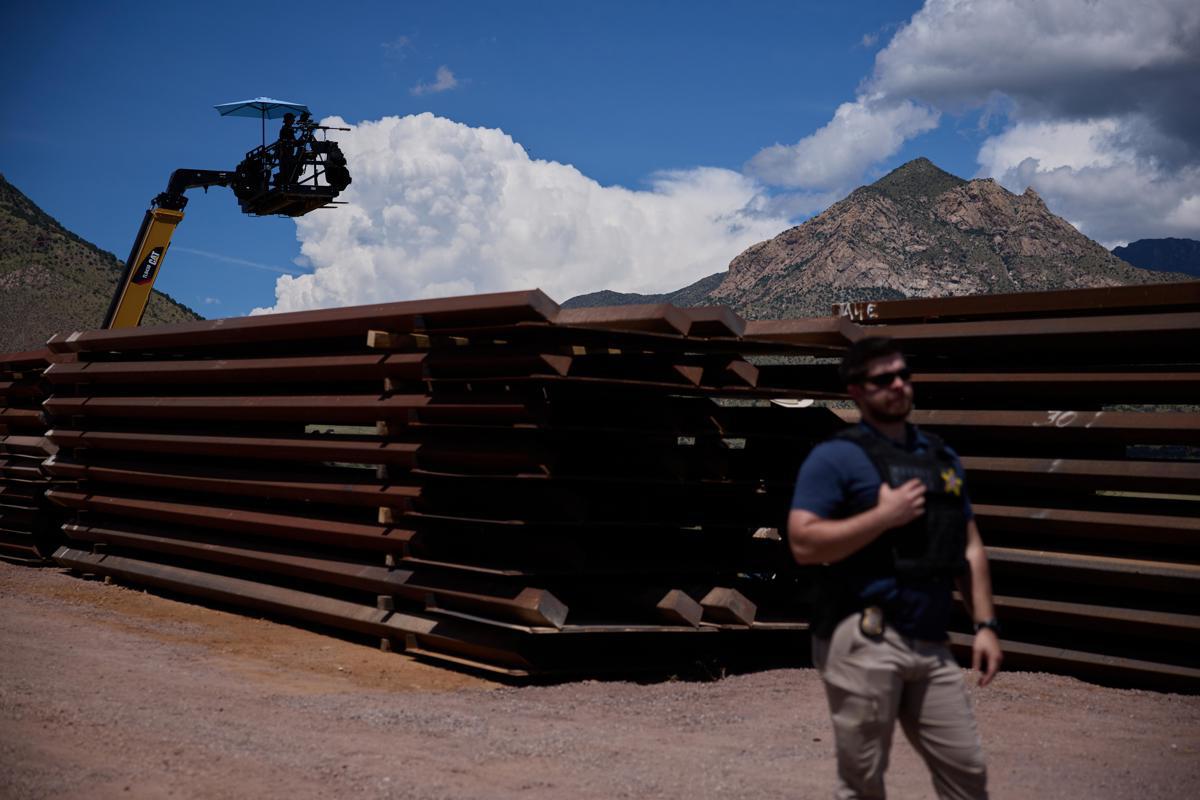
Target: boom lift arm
{"points": [[293, 176], [150, 246]]}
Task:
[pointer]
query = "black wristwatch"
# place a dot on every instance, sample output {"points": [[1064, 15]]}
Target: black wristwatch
{"points": [[992, 623]]}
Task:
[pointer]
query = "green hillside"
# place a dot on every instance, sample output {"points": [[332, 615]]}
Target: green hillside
{"points": [[52, 281]]}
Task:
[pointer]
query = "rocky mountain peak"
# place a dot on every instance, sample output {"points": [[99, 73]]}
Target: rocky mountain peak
{"points": [[918, 180], [919, 232]]}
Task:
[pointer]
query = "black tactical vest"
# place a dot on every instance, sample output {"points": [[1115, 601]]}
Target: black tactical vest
{"points": [[932, 546]]}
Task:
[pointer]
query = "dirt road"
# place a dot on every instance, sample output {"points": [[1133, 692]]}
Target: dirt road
{"points": [[107, 691]]}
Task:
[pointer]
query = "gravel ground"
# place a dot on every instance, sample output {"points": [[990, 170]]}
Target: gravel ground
{"points": [[107, 691]]}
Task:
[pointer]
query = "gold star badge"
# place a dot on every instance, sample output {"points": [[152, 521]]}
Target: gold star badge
{"points": [[953, 482]]}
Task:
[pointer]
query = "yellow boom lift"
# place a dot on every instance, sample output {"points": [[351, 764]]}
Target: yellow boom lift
{"points": [[301, 172]]}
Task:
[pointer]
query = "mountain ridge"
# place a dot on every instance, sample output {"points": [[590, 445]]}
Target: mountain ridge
{"points": [[54, 281], [1166, 255], [918, 231]]}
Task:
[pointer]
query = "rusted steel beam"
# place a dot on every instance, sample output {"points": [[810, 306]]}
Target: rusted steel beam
{"points": [[599, 630], [24, 360], [483, 460], [305, 369], [819, 379], [23, 490], [1131, 427], [1024, 655], [577, 340], [686, 471], [730, 379], [725, 606], [257, 523], [12, 471], [681, 380], [14, 392], [1088, 524], [323, 369], [573, 498], [21, 460], [383, 340], [18, 547], [10, 499], [1123, 621], [314, 447], [653, 318], [1161, 576], [827, 335], [1091, 389], [811, 424], [1152, 476], [645, 601], [12, 539], [682, 633], [533, 607], [629, 368], [734, 372], [26, 445], [677, 607], [338, 489], [493, 362], [303, 408], [22, 419], [486, 649], [1046, 334], [520, 604], [16, 517], [488, 456], [565, 554], [1159, 297], [714, 322], [619, 369], [502, 308]]}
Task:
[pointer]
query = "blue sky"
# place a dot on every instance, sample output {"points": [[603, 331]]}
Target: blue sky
{"points": [[637, 139]]}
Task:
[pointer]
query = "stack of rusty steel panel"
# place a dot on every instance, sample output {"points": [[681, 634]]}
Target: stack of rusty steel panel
{"points": [[1077, 416], [497, 482], [486, 480], [29, 526]]}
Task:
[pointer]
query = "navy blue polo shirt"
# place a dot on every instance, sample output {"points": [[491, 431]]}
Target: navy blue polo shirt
{"points": [[838, 476]]}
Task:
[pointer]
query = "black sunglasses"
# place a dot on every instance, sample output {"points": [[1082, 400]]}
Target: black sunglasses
{"points": [[885, 379]]}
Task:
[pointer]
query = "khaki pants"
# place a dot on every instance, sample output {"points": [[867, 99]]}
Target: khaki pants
{"points": [[873, 681]]}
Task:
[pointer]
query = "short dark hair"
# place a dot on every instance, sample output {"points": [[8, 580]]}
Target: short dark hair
{"points": [[853, 368]]}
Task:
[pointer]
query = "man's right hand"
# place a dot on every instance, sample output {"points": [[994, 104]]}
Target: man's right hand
{"points": [[823, 541], [901, 505]]}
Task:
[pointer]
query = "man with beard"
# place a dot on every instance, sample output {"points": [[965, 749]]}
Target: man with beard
{"points": [[883, 507]]}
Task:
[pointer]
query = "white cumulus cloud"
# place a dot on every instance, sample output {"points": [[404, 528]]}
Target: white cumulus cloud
{"points": [[1099, 101], [441, 208], [1053, 144], [443, 81], [859, 134], [1061, 60], [1108, 191]]}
